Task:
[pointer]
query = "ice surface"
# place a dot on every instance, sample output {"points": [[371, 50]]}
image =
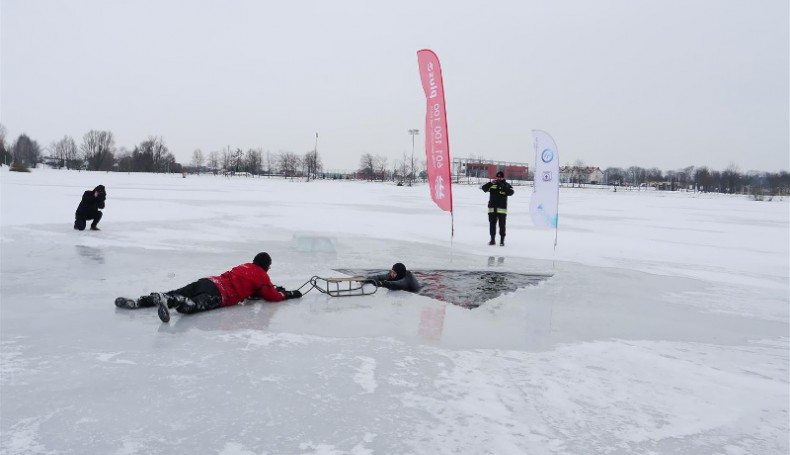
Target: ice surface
{"points": [[664, 328]]}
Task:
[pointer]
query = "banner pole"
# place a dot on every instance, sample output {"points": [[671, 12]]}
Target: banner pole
{"points": [[556, 229], [452, 234]]}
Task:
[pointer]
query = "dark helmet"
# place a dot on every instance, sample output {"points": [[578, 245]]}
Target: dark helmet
{"points": [[399, 269], [100, 189], [263, 260], [500, 174]]}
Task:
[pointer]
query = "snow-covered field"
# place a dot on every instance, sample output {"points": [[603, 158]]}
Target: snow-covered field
{"points": [[663, 330]]}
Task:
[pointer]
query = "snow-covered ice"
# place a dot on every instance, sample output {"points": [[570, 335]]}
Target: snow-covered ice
{"points": [[663, 330]]}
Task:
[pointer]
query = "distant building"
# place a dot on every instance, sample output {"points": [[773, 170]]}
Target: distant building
{"points": [[578, 174], [487, 169]]}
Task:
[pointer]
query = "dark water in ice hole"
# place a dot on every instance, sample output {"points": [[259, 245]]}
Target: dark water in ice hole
{"points": [[465, 288]]}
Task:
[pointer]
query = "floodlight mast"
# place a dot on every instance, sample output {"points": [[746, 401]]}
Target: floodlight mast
{"points": [[412, 132]]}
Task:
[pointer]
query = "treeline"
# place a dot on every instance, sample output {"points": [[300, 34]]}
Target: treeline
{"points": [[702, 178], [97, 152], [257, 162]]}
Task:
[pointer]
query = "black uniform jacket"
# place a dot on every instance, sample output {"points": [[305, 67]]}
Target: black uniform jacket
{"points": [[498, 192], [407, 283], [90, 205]]}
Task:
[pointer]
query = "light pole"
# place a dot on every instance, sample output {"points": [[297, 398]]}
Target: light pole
{"points": [[412, 133], [312, 165]]}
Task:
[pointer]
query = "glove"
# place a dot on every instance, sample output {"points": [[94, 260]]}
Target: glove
{"points": [[280, 289], [292, 295]]}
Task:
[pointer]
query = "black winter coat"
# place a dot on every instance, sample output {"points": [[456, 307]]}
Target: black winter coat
{"points": [[498, 192], [90, 204], [407, 283]]}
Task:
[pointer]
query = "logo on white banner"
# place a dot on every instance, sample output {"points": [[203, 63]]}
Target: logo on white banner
{"points": [[547, 176], [547, 155]]}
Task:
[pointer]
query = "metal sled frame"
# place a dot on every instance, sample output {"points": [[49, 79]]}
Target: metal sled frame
{"points": [[340, 287]]}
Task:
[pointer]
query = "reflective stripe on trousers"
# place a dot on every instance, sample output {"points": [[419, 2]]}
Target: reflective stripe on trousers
{"points": [[495, 210]]}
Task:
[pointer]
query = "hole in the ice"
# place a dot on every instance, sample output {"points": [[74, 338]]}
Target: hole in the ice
{"points": [[465, 288]]}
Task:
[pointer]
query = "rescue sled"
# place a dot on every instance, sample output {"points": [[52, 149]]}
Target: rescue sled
{"points": [[341, 287]]}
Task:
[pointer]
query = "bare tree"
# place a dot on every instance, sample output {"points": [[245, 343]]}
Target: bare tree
{"points": [[160, 152], [197, 159], [289, 163], [168, 163], [57, 154], [227, 159], [253, 161], [404, 170], [213, 161], [152, 155], [412, 169], [269, 163], [614, 176], [423, 170], [686, 178], [142, 159], [380, 166], [97, 150], [237, 160], [26, 151], [636, 175], [124, 160], [65, 150], [654, 175], [702, 179], [730, 179], [366, 166], [577, 172], [312, 164], [5, 152]]}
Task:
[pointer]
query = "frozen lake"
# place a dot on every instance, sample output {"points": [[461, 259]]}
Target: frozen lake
{"points": [[663, 328]]}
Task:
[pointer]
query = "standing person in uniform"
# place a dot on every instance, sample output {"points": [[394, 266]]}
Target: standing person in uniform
{"points": [[397, 279], [229, 288], [89, 207], [498, 191]]}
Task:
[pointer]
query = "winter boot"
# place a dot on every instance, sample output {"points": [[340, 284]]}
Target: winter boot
{"points": [[161, 303], [123, 302], [502, 241], [492, 242]]}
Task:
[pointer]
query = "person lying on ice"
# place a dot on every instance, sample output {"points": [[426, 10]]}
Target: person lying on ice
{"points": [[229, 288], [397, 279]]}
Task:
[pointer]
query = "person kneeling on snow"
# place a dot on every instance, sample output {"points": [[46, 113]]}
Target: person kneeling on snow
{"points": [[89, 207], [397, 279], [229, 288]]}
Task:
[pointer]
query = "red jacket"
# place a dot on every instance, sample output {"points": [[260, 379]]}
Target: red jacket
{"points": [[245, 280]]}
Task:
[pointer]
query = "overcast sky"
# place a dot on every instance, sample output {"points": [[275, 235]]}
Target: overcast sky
{"points": [[656, 83]]}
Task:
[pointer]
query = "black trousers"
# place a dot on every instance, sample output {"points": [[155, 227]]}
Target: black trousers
{"points": [[202, 295], [493, 218], [80, 222]]}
